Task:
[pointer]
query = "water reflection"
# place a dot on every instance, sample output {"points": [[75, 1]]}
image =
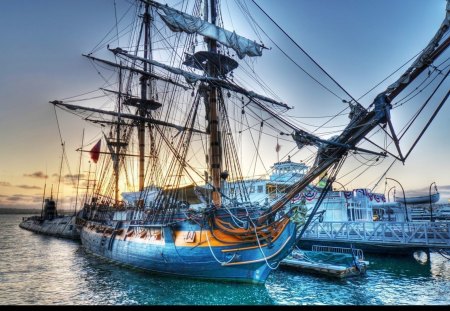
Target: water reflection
{"points": [[41, 270], [297, 288], [115, 284], [440, 269], [399, 266], [389, 281]]}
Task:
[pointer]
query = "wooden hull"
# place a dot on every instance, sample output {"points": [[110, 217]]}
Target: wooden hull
{"points": [[187, 250]]}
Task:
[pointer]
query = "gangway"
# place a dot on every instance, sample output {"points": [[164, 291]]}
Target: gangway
{"points": [[420, 235]]}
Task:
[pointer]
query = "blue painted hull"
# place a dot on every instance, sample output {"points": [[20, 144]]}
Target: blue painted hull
{"points": [[238, 261]]}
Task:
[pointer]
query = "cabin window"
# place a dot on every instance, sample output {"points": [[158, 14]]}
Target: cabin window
{"points": [[260, 189], [356, 213]]}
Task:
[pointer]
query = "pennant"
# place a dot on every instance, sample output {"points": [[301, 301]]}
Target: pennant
{"points": [[95, 151]]}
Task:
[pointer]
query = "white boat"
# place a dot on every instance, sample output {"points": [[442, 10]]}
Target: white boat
{"points": [[419, 199]]}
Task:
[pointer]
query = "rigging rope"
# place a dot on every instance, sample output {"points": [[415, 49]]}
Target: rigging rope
{"points": [[62, 144], [301, 49]]}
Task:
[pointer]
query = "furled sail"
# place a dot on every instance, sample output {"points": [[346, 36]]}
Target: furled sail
{"points": [[192, 78], [136, 70], [178, 21], [126, 116]]}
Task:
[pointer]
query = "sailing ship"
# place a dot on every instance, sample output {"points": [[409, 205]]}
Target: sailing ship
{"points": [[191, 215]]}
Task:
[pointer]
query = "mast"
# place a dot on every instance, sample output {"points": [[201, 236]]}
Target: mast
{"points": [[118, 144], [79, 169], [88, 181], [43, 198], [214, 133], [142, 109], [60, 169]]}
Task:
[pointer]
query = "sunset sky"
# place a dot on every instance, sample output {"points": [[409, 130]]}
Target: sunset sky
{"points": [[359, 42]]}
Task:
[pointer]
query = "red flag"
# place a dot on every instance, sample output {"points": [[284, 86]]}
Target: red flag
{"points": [[277, 147], [95, 151]]}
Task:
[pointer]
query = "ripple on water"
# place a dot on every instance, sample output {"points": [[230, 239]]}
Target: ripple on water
{"points": [[41, 270]]}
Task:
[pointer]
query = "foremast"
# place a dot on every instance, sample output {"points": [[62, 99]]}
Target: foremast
{"points": [[141, 109]]}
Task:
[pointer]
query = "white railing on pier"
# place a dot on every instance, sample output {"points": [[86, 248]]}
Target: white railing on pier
{"points": [[339, 250], [432, 234]]}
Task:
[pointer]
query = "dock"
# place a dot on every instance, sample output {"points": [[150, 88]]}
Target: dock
{"points": [[309, 262]]}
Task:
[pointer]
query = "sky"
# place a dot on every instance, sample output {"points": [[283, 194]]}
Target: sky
{"points": [[359, 42]]}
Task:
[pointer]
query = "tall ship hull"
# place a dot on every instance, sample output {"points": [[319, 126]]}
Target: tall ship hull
{"points": [[187, 249]]}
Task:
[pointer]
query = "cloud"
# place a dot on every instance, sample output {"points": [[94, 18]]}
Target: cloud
{"points": [[7, 184], [36, 199], [27, 187], [15, 198], [20, 200], [71, 180], [36, 175], [74, 176]]}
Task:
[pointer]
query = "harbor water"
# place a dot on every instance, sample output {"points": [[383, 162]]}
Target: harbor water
{"points": [[42, 270]]}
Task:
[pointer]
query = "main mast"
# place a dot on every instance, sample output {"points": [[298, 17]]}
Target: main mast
{"points": [[142, 109], [214, 133], [116, 157]]}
